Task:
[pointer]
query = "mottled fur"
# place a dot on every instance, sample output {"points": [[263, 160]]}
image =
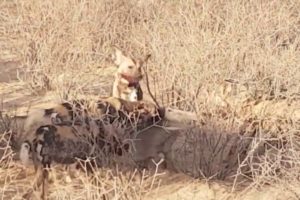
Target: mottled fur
{"points": [[63, 140], [63, 144], [67, 112]]}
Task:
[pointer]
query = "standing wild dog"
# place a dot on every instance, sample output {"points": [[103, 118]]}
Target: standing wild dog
{"points": [[60, 144], [128, 77]]}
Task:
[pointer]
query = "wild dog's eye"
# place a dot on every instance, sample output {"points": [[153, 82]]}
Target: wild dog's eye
{"points": [[130, 67]]}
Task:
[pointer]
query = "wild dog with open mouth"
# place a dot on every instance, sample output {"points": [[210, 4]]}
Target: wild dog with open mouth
{"points": [[127, 79]]}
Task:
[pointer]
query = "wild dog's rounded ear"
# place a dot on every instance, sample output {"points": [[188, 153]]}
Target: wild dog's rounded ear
{"points": [[147, 57], [142, 61], [40, 130], [45, 128], [117, 56]]}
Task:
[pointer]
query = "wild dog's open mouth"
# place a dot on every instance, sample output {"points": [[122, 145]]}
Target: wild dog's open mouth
{"points": [[132, 79]]}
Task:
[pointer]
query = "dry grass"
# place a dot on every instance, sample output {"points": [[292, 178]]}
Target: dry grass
{"points": [[63, 48]]}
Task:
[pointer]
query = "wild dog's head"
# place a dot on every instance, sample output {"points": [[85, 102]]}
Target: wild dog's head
{"points": [[68, 112], [129, 68]]}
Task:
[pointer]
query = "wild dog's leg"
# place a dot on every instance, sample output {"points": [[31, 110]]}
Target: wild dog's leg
{"points": [[41, 179], [116, 92], [37, 174], [45, 182], [36, 182], [38, 178], [71, 172]]}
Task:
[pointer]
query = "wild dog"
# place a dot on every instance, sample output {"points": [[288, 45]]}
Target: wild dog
{"points": [[128, 76], [54, 144], [71, 112], [64, 144]]}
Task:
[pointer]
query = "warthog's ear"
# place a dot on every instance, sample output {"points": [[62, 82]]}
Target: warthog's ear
{"points": [[117, 56]]}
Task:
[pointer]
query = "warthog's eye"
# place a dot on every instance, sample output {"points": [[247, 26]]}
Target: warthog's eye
{"points": [[130, 67]]}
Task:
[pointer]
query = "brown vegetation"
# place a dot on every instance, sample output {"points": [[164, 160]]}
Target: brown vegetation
{"points": [[235, 63]]}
